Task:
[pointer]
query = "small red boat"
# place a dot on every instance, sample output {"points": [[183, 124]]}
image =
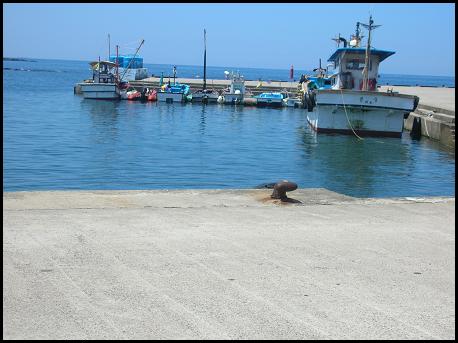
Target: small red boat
{"points": [[134, 95], [152, 95]]}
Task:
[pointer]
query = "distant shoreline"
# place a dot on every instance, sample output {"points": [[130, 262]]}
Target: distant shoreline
{"points": [[18, 59]]}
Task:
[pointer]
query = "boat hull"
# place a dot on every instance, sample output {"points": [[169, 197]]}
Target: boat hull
{"points": [[292, 102], [266, 102], [170, 97], [366, 113], [232, 98], [105, 91], [209, 98]]}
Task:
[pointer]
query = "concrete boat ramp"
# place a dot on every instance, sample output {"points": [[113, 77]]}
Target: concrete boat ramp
{"points": [[227, 264]]}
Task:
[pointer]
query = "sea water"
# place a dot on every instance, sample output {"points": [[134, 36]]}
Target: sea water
{"points": [[55, 140]]}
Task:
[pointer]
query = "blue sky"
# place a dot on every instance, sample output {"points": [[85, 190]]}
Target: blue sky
{"points": [[238, 35]]}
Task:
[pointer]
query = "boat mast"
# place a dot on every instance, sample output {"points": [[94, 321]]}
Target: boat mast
{"points": [[369, 27], [117, 69], [128, 66], [109, 52], [205, 60]]}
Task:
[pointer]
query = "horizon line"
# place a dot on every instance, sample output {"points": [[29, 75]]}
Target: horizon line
{"points": [[195, 65]]}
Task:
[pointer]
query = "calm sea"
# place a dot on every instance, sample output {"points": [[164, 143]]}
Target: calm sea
{"points": [[55, 140]]}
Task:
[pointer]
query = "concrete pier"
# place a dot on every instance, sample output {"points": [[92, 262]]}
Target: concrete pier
{"points": [[254, 86], [436, 111], [227, 264]]}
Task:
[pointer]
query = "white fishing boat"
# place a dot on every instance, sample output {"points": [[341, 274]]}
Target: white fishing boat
{"points": [[104, 83], [205, 96], [106, 79], [236, 91], [354, 105]]}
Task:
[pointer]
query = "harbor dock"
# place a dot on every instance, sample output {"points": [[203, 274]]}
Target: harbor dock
{"points": [[227, 264], [254, 86]]}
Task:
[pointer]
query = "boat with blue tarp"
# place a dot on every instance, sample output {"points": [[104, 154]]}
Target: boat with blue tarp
{"points": [[176, 92], [273, 99]]}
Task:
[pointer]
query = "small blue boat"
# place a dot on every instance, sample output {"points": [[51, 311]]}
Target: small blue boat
{"points": [[270, 99]]}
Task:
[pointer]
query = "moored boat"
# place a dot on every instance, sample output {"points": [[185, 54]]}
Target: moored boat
{"points": [[291, 101], [134, 95], [353, 104], [236, 91], [104, 83], [151, 95], [205, 95], [173, 93], [272, 99]]}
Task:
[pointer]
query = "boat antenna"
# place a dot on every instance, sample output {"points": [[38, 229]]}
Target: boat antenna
{"points": [[108, 47], [337, 40], [369, 27], [117, 65], [128, 66], [205, 59]]}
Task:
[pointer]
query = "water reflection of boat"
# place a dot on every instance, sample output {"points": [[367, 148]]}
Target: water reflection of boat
{"points": [[369, 165]]}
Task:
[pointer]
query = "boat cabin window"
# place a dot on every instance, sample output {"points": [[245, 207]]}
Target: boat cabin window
{"points": [[357, 64], [327, 82]]}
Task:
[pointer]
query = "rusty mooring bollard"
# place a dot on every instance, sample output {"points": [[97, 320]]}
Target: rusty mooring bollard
{"points": [[281, 188]]}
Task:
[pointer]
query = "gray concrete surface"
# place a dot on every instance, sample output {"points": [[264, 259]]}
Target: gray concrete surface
{"points": [[432, 98], [226, 264]]}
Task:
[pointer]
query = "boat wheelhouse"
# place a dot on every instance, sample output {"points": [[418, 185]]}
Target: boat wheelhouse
{"points": [[353, 104], [104, 82], [236, 91]]}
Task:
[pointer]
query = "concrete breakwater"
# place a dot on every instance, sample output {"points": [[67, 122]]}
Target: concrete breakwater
{"points": [[228, 264], [436, 112]]}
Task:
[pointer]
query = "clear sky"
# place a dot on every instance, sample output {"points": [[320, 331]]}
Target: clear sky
{"points": [[238, 35]]}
